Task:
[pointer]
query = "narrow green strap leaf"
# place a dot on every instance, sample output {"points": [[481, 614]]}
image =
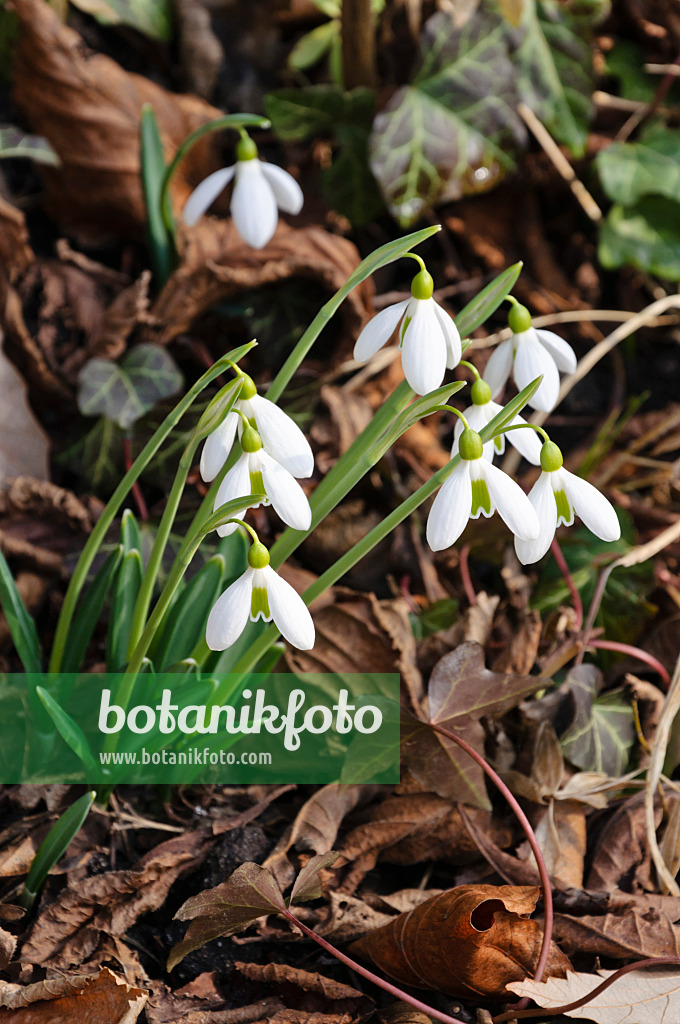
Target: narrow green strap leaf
{"points": [[70, 731], [487, 302], [128, 582], [87, 616], [130, 536], [380, 258], [21, 625], [54, 845], [152, 171], [186, 620]]}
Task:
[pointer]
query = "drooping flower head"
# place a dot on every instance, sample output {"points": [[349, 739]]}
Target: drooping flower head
{"points": [[281, 437], [259, 593], [528, 354], [260, 191], [480, 414], [256, 472], [428, 338], [556, 496], [477, 487]]}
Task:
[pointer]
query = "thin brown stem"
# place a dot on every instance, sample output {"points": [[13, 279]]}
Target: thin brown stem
{"points": [[358, 44], [465, 575], [569, 580], [135, 490]]}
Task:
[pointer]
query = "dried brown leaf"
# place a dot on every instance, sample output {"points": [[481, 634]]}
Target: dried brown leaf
{"points": [[16, 254], [468, 942], [621, 851], [67, 931], [644, 997], [8, 944], [633, 926], [89, 109], [73, 999], [308, 981], [308, 882]]}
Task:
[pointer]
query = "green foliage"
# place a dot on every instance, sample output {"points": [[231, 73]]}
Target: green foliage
{"points": [[125, 391], [153, 18], [16, 143], [325, 40], [438, 615], [187, 616], [70, 731], [624, 609], [54, 845], [346, 117], [90, 609], [153, 173], [601, 736], [21, 625]]}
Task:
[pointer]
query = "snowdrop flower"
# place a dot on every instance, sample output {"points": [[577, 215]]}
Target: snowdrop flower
{"points": [[530, 353], [256, 472], [259, 593], [477, 487], [556, 496], [428, 338], [281, 437], [481, 412], [259, 188]]}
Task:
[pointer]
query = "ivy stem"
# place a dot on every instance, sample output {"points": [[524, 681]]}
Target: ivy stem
{"points": [[533, 843], [584, 1000], [387, 986], [569, 580]]}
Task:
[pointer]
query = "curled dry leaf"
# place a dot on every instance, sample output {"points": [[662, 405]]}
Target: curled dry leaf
{"points": [[217, 264], [8, 944], [89, 109], [470, 942], [79, 999], [308, 981], [632, 926]]}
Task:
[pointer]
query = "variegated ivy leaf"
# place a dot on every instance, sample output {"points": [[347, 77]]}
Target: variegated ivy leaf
{"points": [[125, 391]]}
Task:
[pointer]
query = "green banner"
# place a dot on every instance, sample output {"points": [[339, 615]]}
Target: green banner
{"points": [[105, 729]]}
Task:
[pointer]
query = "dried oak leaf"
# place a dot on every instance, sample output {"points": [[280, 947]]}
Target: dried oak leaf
{"points": [[461, 692], [67, 931], [217, 264], [76, 999], [469, 942], [89, 109]]}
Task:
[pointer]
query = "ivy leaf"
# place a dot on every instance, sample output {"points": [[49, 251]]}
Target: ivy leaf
{"points": [[462, 691], [250, 892], [125, 391], [450, 133], [308, 882], [645, 236], [601, 736], [555, 70], [630, 170]]}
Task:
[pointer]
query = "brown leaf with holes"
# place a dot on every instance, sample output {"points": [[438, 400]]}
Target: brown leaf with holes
{"points": [[217, 264], [470, 942], [67, 931], [89, 109], [74, 999]]}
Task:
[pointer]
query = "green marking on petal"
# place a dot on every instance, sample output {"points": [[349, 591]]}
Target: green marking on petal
{"points": [[498, 443], [563, 507], [259, 604], [481, 499], [404, 327], [256, 482]]}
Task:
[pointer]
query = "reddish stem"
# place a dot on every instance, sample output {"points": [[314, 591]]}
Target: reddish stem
{"points": [[394, 990], [533, 843], [584, 1000], [568, 579], [635, 652], [465, 575], [136, 490]]}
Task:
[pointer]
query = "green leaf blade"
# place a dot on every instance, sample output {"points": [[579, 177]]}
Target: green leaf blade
{"points": [[21, 625]]}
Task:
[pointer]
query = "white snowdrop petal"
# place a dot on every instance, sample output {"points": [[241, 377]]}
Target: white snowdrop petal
{"points": [[289, 500], [229, 614], [287, 192], [282, 438], [205, 194], [595, 511], [497, 370], [236, 484], [253, 206], [451, 509], [378, 331], [511, 502], [559, 349], [542, 498], [289, 612], [532, 361], [217, 447], [525, 441], [423, 351], [454, 352]]}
